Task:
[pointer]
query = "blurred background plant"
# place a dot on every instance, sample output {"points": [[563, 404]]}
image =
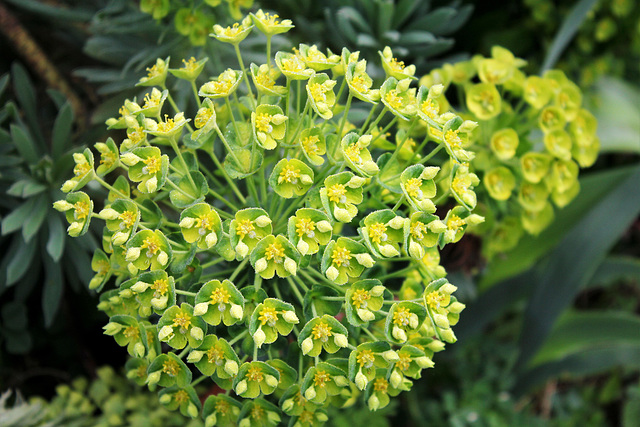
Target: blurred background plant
{"points": [[530, 365]]}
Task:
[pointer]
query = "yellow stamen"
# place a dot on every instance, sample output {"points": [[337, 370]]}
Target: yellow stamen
{"points": [[360, 297], [377, 232], [337, 193], [322, 331], [340, 256]]}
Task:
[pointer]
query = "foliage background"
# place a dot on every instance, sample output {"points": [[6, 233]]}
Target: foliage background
{"points": [[550, 334]]}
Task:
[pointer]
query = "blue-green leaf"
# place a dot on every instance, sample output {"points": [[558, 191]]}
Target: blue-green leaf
{"points": [[62, 130], [57, 236], [52, 292]]}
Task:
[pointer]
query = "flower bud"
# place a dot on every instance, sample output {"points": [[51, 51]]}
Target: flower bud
{"points": [[341, 340], [435, 91], [310, 393], [324, 226], [154, 377], [290, 265], [192, 410], [263, 221], [273, 417], [440, 321], [306, 179], [271, 380], [437, 226], [62, 205], [231, 367], [388, 251], [112, 328], [341, 215], [414, 321], [165, 399], [361, 381], [211, 239], [448, 288], [435, 346], [195, 356], [200, 308], [448, 335], [341, 381], [132, 254], [397, 223], [399, 334], [119, 238], [429, 172], [424, 362], [365, 315], [74, 229], [475, 219], [242, 250], [288, 405], [395, 379], [377, 290], [187, 222], [163, 258], [390, 356], [332, 273], [165, 333], [303, 247], [322, 417], [259, 337], [130, 159], [236, 311], [427, 205], [68, 186], [307, 345], [196, 333], [356, 182], [415, 250], [370, 167], [108, 214], [241, 387], [289, 316], [245, 422], [261, 265], [151, 185], [365, 260], [456, 307], [373, 402]]}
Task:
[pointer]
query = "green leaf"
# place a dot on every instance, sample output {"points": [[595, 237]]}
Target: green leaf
{"points": [[576, 332], [14, 315], [588, 362], [34, 220], [569, 27], [615, 268], [617, 108], [52, 292], [26, 188], [62, 131], [53, 13], [403, 10], [57, 237], [24, 144], [190, 194], [15, 219], [26, 95], [181, 260], [21, 261], [574, 261], [4, 82], [435, 22]]}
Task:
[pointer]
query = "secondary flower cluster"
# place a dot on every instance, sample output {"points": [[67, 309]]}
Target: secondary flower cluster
{"points": [[274, 241], [532, 139]]}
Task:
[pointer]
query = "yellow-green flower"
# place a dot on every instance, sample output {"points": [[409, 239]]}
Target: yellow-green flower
{"points": [[317, 60], [291, 178], [275, 255], [215, 357], [148, 248], [322, 333], [483, 100], [292, 66], [269, 24], [504, 143], [247, 228], [499, 182], [321, 96], [255, 378], [271, 318], [383, 231], [190, 69], [313, 145], [360, 82], [156, 74], [399, 97], [394, 68], [179, 326], [357, 155], [265, 80], [201, 224], [340, 194], [309, 229], [345, 258], [233, 34], [269, 125], [148, 166], [78, 209], [218, 301], [224, 85]]}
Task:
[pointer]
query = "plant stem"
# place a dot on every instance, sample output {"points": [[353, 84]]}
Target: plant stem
{"points": [[239, 269]]}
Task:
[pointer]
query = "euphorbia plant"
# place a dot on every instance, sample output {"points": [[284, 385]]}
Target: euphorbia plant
{"points": [[280, 247]]}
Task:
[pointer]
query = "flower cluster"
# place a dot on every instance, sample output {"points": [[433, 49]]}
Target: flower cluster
{"points": [[533, 136], [274, 243]]}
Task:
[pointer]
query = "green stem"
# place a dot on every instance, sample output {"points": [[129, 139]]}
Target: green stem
{"points": [[227, 146], [302, 119], [199, 380], [238, 337], [174, 145], [239, 268], [377, 120], [227, 178], [295, 290], [244, 72], [120, 193], [366, 122], [211, 263], [233, 117], [195, 93], [184, 352], [186, 293], [398, 204], [257, 282], [222, 199], [344, 118]]}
